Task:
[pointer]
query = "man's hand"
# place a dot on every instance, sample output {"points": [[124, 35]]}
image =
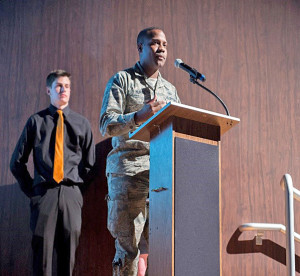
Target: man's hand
{"points": [[149, 109]]}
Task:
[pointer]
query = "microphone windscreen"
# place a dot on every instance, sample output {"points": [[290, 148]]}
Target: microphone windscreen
{"points": [[178, 62]]}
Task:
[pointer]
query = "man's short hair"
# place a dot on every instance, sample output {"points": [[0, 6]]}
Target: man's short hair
{"points": [[56, 74], [146, 33]]}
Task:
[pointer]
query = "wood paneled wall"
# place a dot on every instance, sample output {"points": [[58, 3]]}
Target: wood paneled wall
{"points": [[249, 52]]}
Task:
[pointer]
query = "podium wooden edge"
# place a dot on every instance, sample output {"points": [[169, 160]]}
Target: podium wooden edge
{"points": [[186, 112]]}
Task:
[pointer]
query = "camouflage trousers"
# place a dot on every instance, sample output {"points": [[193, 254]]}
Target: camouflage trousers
{"points": [[127, 219]]}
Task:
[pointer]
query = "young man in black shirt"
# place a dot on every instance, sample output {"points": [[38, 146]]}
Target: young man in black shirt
{"points": [[61, 165]]}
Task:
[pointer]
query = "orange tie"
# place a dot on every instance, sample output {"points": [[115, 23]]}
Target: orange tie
{"points": [[58, 169]]}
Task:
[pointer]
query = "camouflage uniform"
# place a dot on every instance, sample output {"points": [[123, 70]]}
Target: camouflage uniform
{"points": [[127, 166]]}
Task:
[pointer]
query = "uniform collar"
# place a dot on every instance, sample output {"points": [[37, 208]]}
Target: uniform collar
{"points": [[138, 69]]}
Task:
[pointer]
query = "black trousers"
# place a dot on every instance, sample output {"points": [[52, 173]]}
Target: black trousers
{"points": [[55, 223]]}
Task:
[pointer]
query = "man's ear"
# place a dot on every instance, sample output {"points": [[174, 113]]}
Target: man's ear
{"points": [[140, 47], [48, 91]]}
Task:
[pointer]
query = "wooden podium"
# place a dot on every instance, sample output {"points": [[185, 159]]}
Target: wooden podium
{"points": [[184, 236]]}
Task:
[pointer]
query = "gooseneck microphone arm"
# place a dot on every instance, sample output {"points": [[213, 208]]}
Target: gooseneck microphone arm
{"points": [[193, 80], [194, 76]]}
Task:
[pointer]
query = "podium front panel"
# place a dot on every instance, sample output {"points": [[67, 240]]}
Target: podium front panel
{"points": [[196, 210], [184, 206]]}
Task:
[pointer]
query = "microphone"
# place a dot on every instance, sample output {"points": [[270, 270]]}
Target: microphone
{"points": [[193, 72]]}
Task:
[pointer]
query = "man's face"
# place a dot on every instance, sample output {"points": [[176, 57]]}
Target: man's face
{"points": [[60, 91], [153, 51]]}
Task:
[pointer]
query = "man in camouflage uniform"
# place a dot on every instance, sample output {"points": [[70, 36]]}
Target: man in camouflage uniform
{"points": [[131, 97]]}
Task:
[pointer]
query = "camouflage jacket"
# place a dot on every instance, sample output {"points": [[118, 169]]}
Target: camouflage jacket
{"points": [[125, 94]]}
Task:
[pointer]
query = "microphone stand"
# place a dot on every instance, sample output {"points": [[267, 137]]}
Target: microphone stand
{"points": [[194, 81]]}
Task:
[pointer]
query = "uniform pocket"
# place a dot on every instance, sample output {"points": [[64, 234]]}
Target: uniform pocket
{"points": [[118, 222]]}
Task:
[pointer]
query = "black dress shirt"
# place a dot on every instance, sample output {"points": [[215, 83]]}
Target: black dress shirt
{"points": [[39, 136]]}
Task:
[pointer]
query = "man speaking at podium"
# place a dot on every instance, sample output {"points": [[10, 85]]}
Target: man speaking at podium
{"points": [[131, 97]]}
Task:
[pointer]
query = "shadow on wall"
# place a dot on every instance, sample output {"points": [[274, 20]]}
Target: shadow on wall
{"points": [[96, 248], [268, 248], [15, 234]]}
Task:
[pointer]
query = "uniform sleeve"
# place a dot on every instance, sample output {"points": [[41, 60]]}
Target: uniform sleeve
{"points": [[113, 121], [19, 159], [177, 99]]}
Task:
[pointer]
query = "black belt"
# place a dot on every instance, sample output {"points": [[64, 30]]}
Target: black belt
{"points": [[41, 188]]}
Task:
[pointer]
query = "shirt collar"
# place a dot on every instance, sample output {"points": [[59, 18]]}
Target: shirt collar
{"points": [[53, 110]]}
